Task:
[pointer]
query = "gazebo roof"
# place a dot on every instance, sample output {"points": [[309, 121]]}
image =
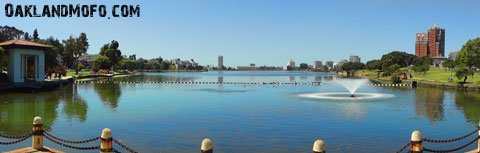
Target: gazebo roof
{"points": [[17, 43]]}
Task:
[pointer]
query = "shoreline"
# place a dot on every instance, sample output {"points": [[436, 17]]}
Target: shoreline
{"points": [[430, 84]]}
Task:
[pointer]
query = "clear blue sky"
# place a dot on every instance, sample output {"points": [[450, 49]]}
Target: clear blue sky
{"points": [[265, 32]]}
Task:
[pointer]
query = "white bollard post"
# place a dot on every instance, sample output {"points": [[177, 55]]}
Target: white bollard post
{"points": [[207, 146], [416, 142], [319, 146]]}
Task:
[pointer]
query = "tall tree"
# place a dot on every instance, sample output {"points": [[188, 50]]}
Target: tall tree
{"points": [[470, 54], [26, 36], [76, 47], [402, 59], [374, 65], [112, 52], [8, 33], [35, 35], [51, 56]]}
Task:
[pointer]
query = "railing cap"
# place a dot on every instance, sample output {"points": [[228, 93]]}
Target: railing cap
{"points": [[416, 136], [319, 146], [106, 133], [206, 144], [37, 120]]}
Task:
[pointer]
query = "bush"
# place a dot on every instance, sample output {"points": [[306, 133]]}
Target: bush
{"points": [[102, 62], [391, 69]]}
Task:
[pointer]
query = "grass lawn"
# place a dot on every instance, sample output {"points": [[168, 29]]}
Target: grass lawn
{"points": [[442, 75], [72, 73]]}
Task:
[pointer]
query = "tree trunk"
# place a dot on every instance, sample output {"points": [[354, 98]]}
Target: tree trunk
{"points": [[465, 79], [76, 67]]}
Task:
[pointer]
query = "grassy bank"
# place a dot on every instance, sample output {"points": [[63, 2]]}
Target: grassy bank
{"points": [[72, 73], [440, 75], [434, 75]]}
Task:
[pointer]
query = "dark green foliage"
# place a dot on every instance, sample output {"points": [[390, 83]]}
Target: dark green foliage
{"points": [[470, 54], [35, 35], [390, 70], [26, 36], [112, 52], [8, 33], [421, 68], [463, 72], [51, 55], [74, 48], [374, 65], [102, 62], [422, 61], [303, 66], [402, 59], [351, 67], [449, 64]]}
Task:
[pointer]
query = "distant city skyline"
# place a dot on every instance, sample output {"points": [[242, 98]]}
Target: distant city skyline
{"points": [[264, 32]]}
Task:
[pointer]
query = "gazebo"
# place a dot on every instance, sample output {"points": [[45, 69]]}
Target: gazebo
{"points": [[26, 62]]}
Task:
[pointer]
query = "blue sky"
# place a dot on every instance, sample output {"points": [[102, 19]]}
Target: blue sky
{"points": [[265, 32]]}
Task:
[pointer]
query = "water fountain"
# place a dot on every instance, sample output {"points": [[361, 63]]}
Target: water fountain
{"points": [[351, 85]]}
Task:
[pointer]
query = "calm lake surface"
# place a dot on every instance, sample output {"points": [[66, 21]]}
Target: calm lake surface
{"points": [[253, 118]]}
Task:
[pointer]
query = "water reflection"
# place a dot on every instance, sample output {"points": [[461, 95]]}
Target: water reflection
{"points": [[109, 93], [18, 111], [470, 104], [317, 78], [429, 103], [75, 106]]}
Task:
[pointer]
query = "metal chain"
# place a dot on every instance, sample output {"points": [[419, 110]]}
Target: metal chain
{"points": [[403, 148], [70, 146], [16, 136], [124, 146], [451, 140], [16, 141], [71, 141], [452, 150]]}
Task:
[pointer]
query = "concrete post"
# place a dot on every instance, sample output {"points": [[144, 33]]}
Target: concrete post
{"points": [[416, 142], [319, 146], [207, 146], [37, 140], [106, 141]]}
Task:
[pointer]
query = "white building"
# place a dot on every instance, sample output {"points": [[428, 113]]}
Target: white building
{"points": [[340, 64], [317, 64], [290, 64], [26, 62], [183, 64], [355, 59], [220, 62]]}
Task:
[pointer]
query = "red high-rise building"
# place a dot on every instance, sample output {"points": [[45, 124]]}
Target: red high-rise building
{"points": [[421, 45], [431, 43]]}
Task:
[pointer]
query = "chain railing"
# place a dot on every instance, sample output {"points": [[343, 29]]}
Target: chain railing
{"points": [[19, 139], [16, 136], [71, 141], [106, 144], [38, 134], [124, 146], [452, 150], [403, 148], [70, 146], [451, 140], [417, 140]]}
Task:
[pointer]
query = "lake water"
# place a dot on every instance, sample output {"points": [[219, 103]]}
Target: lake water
{"points": [[240, 118]]}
